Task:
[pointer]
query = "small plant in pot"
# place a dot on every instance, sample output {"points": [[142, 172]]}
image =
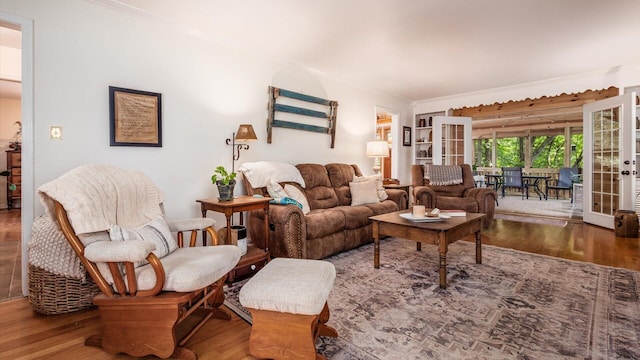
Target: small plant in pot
{"points": [[226, 181], [12, 186]]}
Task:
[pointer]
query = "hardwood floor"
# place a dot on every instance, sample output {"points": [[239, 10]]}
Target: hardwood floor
{"points": [[28, 335], [10, 254]]}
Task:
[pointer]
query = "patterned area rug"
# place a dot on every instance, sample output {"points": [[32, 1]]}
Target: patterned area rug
{"points": [[513, 306]]}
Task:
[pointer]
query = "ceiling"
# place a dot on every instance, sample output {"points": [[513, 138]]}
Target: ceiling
{"points": [[416, 49], [419, 49]]}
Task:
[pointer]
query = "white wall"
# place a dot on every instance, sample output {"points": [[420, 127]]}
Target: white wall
{"points": [[207, 90]]}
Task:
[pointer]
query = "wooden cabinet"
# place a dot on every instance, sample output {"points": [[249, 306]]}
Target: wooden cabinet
{"points": [[14, 166], [442, 140]]}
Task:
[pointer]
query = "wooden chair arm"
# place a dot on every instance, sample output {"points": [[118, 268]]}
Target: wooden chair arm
{"points": [[211, 231], [124, 279]]}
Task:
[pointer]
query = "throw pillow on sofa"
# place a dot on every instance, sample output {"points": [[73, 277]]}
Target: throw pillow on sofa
{"points": [[298, 196], [382, 193], [363, 192], [275, 190]]}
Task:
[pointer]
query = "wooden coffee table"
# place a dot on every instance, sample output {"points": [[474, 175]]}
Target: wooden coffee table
{"points": [[441, 233]]}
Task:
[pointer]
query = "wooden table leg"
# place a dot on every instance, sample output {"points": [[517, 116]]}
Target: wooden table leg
{"points": [[204, 232], [443, 259], [478, 248], [376, 245], [228, 241]]}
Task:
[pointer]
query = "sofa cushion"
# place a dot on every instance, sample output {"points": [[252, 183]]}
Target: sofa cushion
{"points": [[189, 269], [340, 176], [319, 191], [383, 207], [364, 192], [356, 216], [468, 204], [450, 190], [323, 222]]}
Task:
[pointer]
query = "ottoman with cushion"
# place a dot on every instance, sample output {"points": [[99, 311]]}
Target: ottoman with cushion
{"points": [[288, 304]]}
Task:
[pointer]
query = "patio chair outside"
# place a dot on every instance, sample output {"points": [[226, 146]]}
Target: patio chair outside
{"points": [[564, 182], [512, 178]]}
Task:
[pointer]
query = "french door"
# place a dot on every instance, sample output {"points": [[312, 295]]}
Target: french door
{"points": [[609, 158], [452, 144]]}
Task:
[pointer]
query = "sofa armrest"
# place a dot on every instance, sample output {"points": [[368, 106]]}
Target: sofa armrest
{"points": [[400, 197], [486, 199], [424, 196], [287, 231]]}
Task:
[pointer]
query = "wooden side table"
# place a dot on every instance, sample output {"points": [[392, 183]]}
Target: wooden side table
{"points": [[397, 186], [255, 258], [406, 188]]}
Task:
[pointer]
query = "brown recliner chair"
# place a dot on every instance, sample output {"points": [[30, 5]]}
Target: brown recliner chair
{"points": [[463, 196]]}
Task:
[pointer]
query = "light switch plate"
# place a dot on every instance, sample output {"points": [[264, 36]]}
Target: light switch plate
{"points": [[55, 132]]}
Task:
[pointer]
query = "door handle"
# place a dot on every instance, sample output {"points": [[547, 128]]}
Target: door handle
{"points": [[625, 172], [626, 162]]}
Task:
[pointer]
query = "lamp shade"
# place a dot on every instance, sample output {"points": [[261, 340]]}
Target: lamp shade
{"points": [[377, 149], [246, 133]]}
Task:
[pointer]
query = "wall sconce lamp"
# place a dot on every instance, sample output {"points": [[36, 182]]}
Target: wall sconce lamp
{"points": [[245, 133], [377, 149]]}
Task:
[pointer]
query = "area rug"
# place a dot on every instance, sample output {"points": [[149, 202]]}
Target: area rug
{"points": [[514, 305]]}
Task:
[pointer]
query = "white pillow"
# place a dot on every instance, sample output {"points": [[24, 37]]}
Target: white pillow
{"points": [[259, 173], [156, 231], [275, 190], [363, 192], [382, 193], [298, 196]]}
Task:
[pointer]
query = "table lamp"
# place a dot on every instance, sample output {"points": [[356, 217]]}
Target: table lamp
{"points": [[245, 133], [377, 149]]}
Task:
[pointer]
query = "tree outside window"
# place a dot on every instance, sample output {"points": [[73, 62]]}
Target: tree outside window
{"points": [[546, 151]]}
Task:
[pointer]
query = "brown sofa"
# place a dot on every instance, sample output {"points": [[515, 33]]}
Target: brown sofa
{"points": [[463, 196], [332, 225]]}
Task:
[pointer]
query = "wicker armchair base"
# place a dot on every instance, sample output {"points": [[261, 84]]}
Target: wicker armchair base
{"points": [[52, 294]]}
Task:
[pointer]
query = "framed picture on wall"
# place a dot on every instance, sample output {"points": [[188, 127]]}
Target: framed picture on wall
{"points": [[406, 136], [135, 117]]}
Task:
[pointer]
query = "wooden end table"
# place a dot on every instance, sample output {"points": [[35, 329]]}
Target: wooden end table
{"points": [[255, 258], [441, 233], [398, 186]]}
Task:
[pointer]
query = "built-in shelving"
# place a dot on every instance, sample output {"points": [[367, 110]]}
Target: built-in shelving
{"points": [[442, 140], [423, 139]]}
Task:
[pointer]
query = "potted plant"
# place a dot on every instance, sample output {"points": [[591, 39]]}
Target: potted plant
{"points": [[226, 181], [12, 187]]}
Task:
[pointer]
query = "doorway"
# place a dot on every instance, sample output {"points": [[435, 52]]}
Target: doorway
{"points": [[24, 27], [385, 125]]}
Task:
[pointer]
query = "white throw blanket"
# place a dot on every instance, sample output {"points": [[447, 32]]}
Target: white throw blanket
{"points": [[98, 196], [261, 172]]}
